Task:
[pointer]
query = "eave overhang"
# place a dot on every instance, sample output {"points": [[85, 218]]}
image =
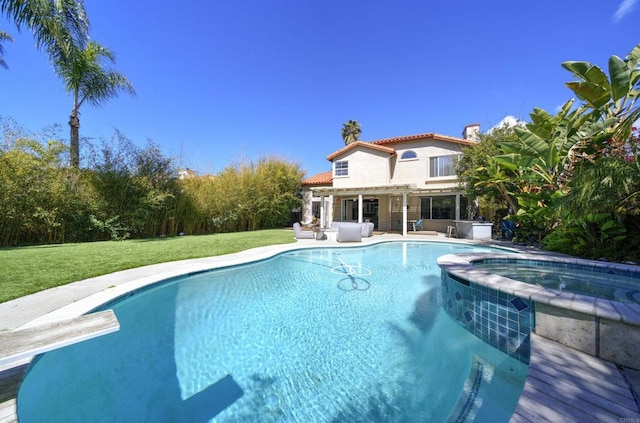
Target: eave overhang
{"points": [[383, 189], [353, 145], [379, 190]]}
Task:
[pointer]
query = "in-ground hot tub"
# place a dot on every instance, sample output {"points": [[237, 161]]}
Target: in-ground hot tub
{"points": [[588, 305]]}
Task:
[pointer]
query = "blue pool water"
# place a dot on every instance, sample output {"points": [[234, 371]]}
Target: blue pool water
{"points": [[322, 335]]}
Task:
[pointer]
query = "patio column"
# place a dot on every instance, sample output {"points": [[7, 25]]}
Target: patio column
{"points": [[360, 211], [404, 214], [322, 211]]}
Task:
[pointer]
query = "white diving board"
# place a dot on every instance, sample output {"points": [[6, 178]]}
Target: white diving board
{"points": [[20, 346]]}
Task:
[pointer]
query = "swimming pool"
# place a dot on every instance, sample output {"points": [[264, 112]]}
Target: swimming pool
{"points": [[347, 334]]}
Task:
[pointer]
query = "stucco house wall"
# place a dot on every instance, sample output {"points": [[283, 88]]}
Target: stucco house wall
{"points": [[417, 170], [367, 168]]}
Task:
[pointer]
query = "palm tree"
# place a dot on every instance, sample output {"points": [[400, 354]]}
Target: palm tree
{"points": [[86, 78], [56, 24], [351, 131], [3, 37]]}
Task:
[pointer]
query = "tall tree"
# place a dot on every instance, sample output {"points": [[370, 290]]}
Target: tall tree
{"points": [[56, 24], [351, 131], [481, 176], [87, 78]]}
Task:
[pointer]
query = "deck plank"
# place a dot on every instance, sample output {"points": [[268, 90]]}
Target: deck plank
{"points": [[564, 384]]}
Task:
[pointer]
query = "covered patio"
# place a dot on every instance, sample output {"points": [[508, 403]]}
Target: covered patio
{"points": [[390, 207]]}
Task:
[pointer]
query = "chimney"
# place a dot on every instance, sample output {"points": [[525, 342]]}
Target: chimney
{"points": [[471, 132]]}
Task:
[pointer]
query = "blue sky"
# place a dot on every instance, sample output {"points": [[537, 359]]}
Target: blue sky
{"points": [[222, 81]]}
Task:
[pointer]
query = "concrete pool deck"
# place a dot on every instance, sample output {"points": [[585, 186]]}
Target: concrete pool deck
{"points": [[562, 383]]}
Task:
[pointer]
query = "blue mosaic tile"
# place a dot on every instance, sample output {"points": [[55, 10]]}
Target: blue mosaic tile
{"points": [[519, 304], [490, 315]]}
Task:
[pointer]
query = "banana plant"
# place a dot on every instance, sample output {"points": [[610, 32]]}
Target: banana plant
{"points": [[547, 147], [612, 96], [550, 146], [540, 162]]}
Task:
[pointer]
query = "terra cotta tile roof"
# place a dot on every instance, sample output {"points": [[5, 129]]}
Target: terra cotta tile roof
{"points": [[324, 178], [356, 144], [424, 136]]}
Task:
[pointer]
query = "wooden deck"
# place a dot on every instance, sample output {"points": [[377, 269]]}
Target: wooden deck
{"points": [[9, 384], [567, 385]]}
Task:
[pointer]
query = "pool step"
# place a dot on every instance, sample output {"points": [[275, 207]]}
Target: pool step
{"points": [[469, 403]]}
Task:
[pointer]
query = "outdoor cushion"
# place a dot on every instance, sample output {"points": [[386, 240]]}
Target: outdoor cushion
{"points": [[367, 229], [349, 233], [300, 234]]}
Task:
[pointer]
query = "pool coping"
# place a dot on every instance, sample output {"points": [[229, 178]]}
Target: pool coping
{"points": [[77, 298]]}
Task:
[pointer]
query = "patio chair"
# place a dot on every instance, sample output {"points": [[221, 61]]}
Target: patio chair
{"points": [[300, 234], [418, 225], [507, 230]]}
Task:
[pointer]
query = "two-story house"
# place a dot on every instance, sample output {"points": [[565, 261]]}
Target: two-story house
{"points": [[393, 183]]}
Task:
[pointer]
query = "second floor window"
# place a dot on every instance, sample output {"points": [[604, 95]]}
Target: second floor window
{"points": [[442, 165], [341, 168]]}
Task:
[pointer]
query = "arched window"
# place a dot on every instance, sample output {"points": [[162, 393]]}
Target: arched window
{"points": [[409, 154]]}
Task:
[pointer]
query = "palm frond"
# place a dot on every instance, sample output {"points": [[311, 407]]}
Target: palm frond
{"points": [[56, 24], [3, 37]]}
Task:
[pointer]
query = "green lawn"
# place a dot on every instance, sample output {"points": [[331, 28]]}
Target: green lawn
{"points": [[26, 270]]}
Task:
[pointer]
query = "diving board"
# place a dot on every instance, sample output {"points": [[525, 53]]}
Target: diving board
{"points": [[20, 346]]}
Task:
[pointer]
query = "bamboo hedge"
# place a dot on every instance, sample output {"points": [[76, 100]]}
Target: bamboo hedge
{"points": [[127, 191]]}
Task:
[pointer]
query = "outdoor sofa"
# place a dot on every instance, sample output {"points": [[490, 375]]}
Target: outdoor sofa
{"points": [[351, 231], [366, 228]]}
